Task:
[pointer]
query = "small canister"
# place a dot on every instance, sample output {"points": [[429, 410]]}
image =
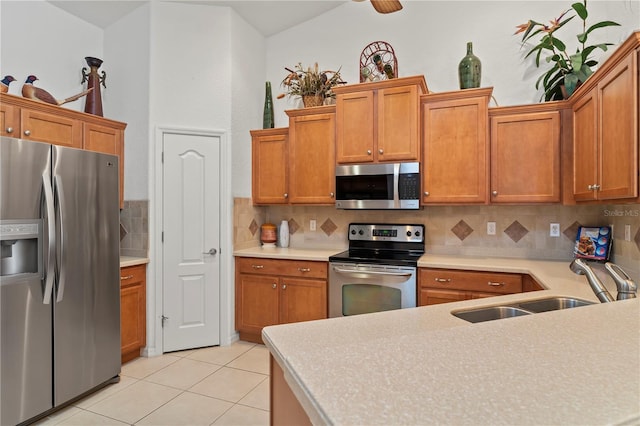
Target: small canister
{"points": [[268, 235]]}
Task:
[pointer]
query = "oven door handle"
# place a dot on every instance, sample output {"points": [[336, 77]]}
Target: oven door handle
{"points": [[360, 272]]}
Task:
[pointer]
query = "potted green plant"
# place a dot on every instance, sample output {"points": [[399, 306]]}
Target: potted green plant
{"points": [[568, 70], [313, 85]]}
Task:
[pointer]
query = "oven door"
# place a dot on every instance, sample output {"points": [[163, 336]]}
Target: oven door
{"points": [[364, 288]]}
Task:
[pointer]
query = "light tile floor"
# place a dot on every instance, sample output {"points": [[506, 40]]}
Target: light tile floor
{"points": [[210, 386]]}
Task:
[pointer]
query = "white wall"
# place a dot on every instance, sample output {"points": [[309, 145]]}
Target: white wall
{"points": [[429, 38], [40, 39]]}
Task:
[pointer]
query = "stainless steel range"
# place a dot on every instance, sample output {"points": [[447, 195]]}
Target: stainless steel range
{"points": [[378, 272]]}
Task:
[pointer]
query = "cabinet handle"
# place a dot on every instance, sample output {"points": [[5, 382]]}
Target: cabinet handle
{"points": [[273, 285], [257, 266], [443, 280], [495, 284], [286, 195], [304, 269], [494, 193], [593, 187], [426, 193], [381, 151], [368, 152], [284, 286], [596, 186], [331, 194], [128, 277], [27, 132], [9, 129]]}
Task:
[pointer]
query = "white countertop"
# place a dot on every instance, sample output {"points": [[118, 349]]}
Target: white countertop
{"points": [[132, 261], [425, 366], [288, 253]]}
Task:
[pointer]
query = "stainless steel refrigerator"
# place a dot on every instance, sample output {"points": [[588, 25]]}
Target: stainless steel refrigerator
{"points": [[59, 276]]}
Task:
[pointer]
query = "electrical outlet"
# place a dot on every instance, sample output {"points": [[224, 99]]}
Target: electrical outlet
{"points": [[491, 228], [554, 229], [312, 225], [627, 232]]}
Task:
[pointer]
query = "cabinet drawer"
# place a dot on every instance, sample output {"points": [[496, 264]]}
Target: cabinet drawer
{"points": [[290, 268], [490, 282], [130, 275]]}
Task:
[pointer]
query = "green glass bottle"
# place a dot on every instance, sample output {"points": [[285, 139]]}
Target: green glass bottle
{"points": [[267, 116], [470, 69]]}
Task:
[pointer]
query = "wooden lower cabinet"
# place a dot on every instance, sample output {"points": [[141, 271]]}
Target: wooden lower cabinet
{"points": [[274, 291], [132, 311], [446, 285], [285, 409]]}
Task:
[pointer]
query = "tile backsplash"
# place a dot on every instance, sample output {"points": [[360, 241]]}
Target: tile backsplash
{"points": [[521, 231], [134, 228]]}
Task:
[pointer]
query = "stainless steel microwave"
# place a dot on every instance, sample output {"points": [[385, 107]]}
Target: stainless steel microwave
{"points": [[378, 186]]}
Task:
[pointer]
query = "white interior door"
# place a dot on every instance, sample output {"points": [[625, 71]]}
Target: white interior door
{"points": [[191, 232]]}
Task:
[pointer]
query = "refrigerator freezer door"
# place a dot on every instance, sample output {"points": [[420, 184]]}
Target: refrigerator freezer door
{"points": [[25, 325], [87, 308]]}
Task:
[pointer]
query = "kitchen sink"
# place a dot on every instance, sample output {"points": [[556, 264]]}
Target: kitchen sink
{"points": [[553, 304], [491, 313], [519, 309]]}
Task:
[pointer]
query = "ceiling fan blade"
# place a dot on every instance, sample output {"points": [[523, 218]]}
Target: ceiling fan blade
{"points": [[386, 6]]}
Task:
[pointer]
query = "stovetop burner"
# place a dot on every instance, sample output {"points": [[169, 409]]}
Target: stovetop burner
{"points": [[388, 244]]}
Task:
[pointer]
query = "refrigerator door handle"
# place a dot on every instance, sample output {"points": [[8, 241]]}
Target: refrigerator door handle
{"points": [[51, 228], [59, 192]]}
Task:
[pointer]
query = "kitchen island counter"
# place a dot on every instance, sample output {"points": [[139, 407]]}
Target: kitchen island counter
{"points": [[425, 366]]}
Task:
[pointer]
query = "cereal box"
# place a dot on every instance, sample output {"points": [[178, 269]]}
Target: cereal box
{"points": [[593, 243]]}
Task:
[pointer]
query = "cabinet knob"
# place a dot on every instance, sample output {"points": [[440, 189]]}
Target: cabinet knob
{"points": [[274, 285], [9, 130], [596, 186], [284, 286], [426, 193], [381, 151], [494, 193], [368, 152], [443, 280], [286, 195], [27, 132], [331, 194]]}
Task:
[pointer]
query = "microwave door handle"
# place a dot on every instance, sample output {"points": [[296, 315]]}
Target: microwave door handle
{"points": [[51, 243], [352, 272], [396, 185]]}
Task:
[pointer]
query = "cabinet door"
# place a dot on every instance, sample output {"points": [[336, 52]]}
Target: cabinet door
{"points": [[525, 158], [398, 135], [456, 151], [431, 296], [51, 128], [9, 120], [108, 140], [618, 136], [312, 159], [355, 127], [585, 154], [256, 302], [132, 311], [269, 167], [302, 300]]}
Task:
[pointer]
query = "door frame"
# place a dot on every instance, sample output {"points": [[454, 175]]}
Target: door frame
{"points": [[155, 278]]}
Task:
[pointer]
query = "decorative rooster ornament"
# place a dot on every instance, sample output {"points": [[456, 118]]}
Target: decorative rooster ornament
{"points": [[5, 82], [29, 91]]}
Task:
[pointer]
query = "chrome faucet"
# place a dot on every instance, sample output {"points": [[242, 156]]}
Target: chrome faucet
{"points": [[626, 287], [580, 267]]}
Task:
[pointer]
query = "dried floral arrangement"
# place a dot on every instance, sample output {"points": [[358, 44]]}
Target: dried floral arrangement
{"points": [[310, 81]]}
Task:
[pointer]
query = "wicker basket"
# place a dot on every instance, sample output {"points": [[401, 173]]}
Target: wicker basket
{"points": [[312, 100]]}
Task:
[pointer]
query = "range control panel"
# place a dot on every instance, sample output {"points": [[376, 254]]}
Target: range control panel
{"points": [[386, 232]]}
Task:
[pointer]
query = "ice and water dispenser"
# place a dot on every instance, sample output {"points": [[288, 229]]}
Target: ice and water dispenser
{"points": [[20, 248]]}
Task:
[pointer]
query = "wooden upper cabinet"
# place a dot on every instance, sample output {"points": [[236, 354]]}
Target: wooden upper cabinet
{"points": [[38, 121], [312, 155], [379, 121], [525, 155], [270, 167], [605, 129], [455, 147]]}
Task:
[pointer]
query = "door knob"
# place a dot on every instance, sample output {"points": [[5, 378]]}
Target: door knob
{"points": [[212, 252]]}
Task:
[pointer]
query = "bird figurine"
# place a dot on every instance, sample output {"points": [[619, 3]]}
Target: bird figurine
{"points": [[5, 82], [29, 91]]}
